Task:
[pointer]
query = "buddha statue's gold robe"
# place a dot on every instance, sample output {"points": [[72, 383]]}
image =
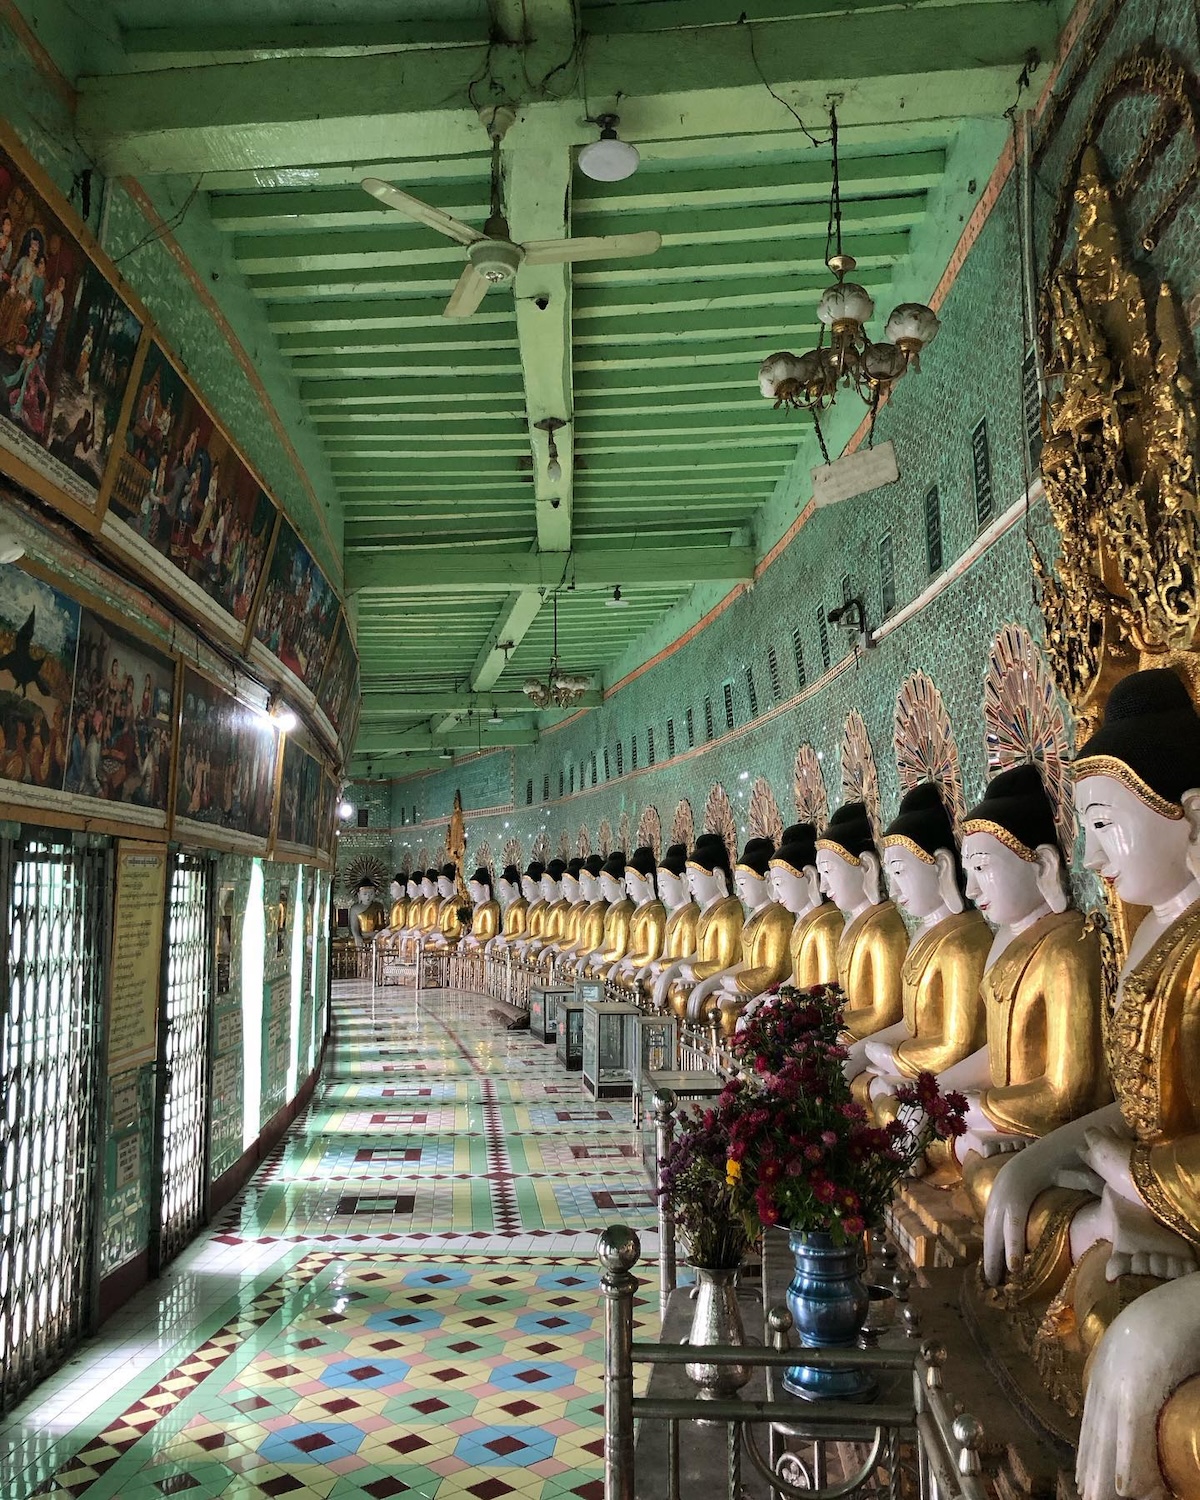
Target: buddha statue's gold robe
{"points": [[546, 956], [591, 935], [647, 932], [516, 919], [718, 944], [399, 914], [615, 942], [766, 949], [1043, 1017], [427, 922], [485, 921], [448, 923], [870, 954], [943, 1002], [366, 920], [552, 927], [814, 944], [1154, 1051], [535, 925], [679, 939]]}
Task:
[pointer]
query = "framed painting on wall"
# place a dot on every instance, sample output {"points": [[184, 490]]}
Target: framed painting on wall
{"points": [[39, 636], [340, 679], [299, 797], [299, 610], [69, 343], [225, 781], [182, 490]]}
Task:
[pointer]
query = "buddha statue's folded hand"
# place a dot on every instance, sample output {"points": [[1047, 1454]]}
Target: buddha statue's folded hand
{"points": [[881, 1058]]}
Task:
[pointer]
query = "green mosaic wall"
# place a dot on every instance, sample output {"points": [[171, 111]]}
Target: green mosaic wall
{"points": [[972, 373]]}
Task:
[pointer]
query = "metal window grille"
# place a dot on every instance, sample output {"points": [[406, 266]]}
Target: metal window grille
{"points": [[607, 770], [364, 817], [649, 745], [529, 792], [798, 653], [887, 573], [562, 782], [546, 787], [670, 739], [708, 719], [981, 469], [689, 724], [181, 1148], [414, 811], [594, 768], [727, 693], [1031, 392], [933, 530], [633, 751], [752, 692], [52, 987], [823, 636], [620, 758], [571, 781], [774, 674]]}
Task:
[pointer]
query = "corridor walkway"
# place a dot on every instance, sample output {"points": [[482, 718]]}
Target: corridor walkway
{"points": [[403, 1302]]}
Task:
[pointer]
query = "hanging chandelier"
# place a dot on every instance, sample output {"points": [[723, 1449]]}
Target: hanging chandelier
{"points": [[846, 357], [559, 689]]}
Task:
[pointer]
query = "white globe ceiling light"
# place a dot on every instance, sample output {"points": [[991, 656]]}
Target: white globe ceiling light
{"points": [[609, 159]]}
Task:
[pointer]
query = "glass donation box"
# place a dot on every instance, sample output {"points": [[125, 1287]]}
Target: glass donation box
{"points": [[569, 1047], [543, 1010], [609, 1048]]}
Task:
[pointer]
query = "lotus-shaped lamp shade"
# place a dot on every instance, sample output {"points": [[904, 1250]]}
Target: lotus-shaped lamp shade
{"points": [[883, 363], [845, 302], [774, 370], [911, 327]]}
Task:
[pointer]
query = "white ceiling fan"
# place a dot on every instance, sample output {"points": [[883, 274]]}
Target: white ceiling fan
{"points": [[493, 257]]}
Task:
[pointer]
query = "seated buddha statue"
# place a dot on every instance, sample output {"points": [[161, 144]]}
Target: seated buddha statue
{"points": [[535, 918], [514, 912], [1137, 1162], [397, 915], [448, 929], [431, 905], [679, 936], [367, 918], [591, 922], [485, 911], [1043, 1063], [765, 959], [614, 943], [817, 923], [943, 1019], [557, 905], [547, 954], [873, 942], [718, 926], [647, 924]]}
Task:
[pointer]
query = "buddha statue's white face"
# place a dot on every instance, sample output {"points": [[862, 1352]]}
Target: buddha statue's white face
{"points": [[551, 891], [798, 890], [571, 888], [508, 891], [395, 890], [445, 887], [749, 887], [707, 885], [1144, 854], [916, 884], [414, 889], [611, 888], [530, 888], [841, 879], [672, 888], [589, 885], [1007, 889], [479, 892], [637, 886], [428, 889], [366, 894]]}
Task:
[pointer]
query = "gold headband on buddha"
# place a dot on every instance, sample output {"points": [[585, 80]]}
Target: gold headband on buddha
{"points": [[1002, 836], [902, 841], [1109, 765], [836, 848], [704, 869], [785, 864], [750, 870]]}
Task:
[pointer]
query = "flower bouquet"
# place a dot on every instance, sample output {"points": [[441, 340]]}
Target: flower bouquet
{"points": [[694, 1182]]}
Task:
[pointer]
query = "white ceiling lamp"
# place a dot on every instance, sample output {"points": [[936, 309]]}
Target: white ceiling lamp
{"points": [[609, 159], [616, 602], [495, 719]]}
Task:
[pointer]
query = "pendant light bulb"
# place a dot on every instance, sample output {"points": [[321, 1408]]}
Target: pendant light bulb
{"points": [[616, 602], [609, 159], [495, 719], [554, 470]]}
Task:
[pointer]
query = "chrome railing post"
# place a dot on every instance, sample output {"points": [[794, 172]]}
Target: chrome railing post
{"points": [[662, 1110], [618, 1250]]}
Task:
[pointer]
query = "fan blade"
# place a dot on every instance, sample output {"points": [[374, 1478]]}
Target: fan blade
{"points": [[592, 247], [423, 213], [468, 293]]}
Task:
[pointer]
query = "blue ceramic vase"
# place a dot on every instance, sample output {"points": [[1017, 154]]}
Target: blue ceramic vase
{"points": [[828, 1301]]}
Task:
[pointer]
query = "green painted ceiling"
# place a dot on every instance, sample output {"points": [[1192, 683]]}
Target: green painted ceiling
{"points": [[284, 105]]}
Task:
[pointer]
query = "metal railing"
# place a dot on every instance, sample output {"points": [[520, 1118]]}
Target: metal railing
{"points": [[916, 1437]]}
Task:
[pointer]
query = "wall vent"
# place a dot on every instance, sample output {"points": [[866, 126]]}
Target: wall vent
{"points": [[649, 745], [633, 751], [773, 674], [607, 770], [546, 788], [620, 759], [751, 693], [670, 739], [981, 470], [528, 793], [364, 817], [594, 768], [708, 719], [933, 530], [798, 653], [689, 724], [571, 780]]}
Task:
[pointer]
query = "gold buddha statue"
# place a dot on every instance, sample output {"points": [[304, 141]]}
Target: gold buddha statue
{"points": [[874, 940], [398, 917], [648, 923], [431, 904], [614, 943], [535, 920], [766, 934], [718, 926], [485, 910], [591, 921], [943, 1019], [514, 912], [572, 897], [367, 918], [679, 935], [817, 923], [448, 928], [554, 920]]}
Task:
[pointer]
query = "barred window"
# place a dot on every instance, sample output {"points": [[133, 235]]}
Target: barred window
{"points": [[933, 530], [546, 788], [773, 674], [594, 768], [633, 752], [727, 689], [670, 739], [689, 724], [798, 653], [607, 770], [708, 719], [649, 745], [981, 469], [620, 759], [528, 794]]}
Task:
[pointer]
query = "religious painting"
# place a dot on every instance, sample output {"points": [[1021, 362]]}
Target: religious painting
{"points": [[67, 344], [326, 814], [39, 634], [340, 682], [121, 717], [226, 775], [299, 795], [299, 609], [183, 488]]}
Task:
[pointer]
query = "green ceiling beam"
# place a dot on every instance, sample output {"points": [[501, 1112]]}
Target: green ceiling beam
{"points": [[163, 44], [350, 207], [938, 62], [401, 741], [394, 702], [422, 569]]}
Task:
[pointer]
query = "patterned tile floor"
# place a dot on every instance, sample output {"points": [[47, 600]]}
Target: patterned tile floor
{"points": [[402, 1303]]}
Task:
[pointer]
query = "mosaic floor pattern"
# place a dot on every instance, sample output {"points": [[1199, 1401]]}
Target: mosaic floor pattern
{"points": [[403, 1303]]}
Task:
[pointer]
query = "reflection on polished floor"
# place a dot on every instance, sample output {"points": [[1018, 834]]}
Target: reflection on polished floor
{"points": [[403, 1302]]}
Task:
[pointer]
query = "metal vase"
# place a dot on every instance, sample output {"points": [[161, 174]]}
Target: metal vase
{"points": [[828, 1301], [717, 1319]]}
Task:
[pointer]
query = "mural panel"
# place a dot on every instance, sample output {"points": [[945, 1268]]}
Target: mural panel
{"points": [[299, 610], [299, 793], [39, 634], [226, 761], [68, 341], [339, 685], [183, 488]]}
